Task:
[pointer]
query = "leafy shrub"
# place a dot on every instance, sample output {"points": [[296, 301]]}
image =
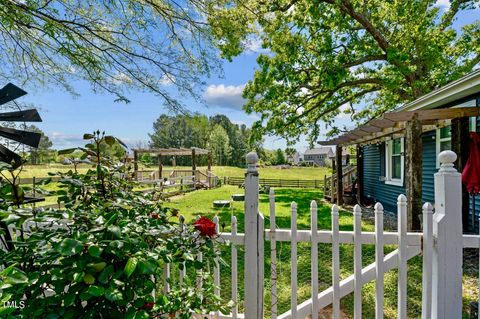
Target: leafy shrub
{"points": [[103, 255]]}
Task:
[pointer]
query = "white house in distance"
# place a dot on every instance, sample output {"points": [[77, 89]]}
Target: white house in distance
{"points": [[295, 159], [318, 156]]}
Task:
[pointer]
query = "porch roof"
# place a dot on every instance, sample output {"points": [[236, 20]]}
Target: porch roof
{"points": [[173, 151], [394, 123]]}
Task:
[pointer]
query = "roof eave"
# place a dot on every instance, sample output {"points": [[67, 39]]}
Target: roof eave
{"points": [[463, 87]]}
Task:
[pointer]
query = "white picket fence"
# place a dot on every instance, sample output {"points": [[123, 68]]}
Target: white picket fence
{"points": [[442, 244]]}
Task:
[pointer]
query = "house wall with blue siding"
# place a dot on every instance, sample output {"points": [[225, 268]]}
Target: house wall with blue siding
{"points": [[387, 194], [379, 191], [373, 188]]}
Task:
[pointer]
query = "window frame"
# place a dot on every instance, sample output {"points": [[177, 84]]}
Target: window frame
{"points": [[438, 141], [388, 160]]}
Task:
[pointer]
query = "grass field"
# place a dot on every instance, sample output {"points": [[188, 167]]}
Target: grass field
{"points": [[30, 171]]}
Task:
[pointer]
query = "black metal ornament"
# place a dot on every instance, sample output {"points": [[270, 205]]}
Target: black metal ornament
{"points": [[9, 93]]}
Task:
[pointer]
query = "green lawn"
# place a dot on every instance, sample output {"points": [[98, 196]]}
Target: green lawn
{"points": [[265, 172]]}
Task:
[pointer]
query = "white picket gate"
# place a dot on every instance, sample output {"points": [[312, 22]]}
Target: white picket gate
{"points": [[442, 244]]}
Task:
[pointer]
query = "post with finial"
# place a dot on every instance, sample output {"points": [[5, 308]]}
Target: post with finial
{"points": [[448, 250], [253, 284]]}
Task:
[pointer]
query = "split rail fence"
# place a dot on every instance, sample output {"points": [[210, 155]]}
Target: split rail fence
{"points": [[441, 242], [276, 182]]}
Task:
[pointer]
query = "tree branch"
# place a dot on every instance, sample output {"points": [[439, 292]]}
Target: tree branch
{"points": [[368, 58]]}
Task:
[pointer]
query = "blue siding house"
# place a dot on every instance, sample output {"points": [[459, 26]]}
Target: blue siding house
{"points": [[384, 166]]}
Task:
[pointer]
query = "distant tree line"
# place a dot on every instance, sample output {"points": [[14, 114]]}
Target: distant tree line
{"points": [[229, 142]]}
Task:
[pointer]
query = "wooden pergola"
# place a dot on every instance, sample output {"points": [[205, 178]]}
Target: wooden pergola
{"points": [[411, 125], [161, 152]]}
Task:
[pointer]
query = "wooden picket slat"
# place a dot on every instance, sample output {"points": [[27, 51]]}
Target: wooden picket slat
{"points": [[216, 267], [166, 277], [314, 257], [402, 256], [183, 271], [273, 256], [379, 261], [427, 261], [234, 271], [293, 270], [335, 264], [199, 272], [357, 260]]}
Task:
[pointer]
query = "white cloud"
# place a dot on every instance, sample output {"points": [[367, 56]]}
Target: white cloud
{"points": [[443, 4], [62, 140], [227, 96]]}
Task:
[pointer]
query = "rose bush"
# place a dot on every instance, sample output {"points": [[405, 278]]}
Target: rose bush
{"points": [[103, 255]]}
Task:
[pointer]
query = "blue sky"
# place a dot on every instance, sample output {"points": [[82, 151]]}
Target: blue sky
{"points": [[66, 118]]}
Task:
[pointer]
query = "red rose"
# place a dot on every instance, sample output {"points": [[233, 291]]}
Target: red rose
{"points": [[206, 227], [148, 305]]}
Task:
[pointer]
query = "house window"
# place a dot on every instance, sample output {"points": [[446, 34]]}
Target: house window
{"points": [[444, 140], [473, 124], [395, 162]]}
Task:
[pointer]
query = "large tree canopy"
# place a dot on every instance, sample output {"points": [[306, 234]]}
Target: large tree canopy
{"points": [[115, 45], [328, 56]]}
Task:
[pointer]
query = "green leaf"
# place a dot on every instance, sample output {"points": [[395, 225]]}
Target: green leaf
{"points": [[147, 267], [96, 291], [16, 277], [89, 279], [130, 266], [88, 136], [97, 266], [103, 277], [67, 151], [113, 294], [94, 251], [69, 247], [110, 140], [115, 231], [69, 299]]}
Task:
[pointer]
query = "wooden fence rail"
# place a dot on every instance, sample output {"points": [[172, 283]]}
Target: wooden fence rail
{"points": [[275, 182]]}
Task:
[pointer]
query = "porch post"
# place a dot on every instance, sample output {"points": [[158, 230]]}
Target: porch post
{"points": [[338, 155], [360, 174], [253, 243], [448, 249], [160, 166], [413, 171], [135, 164], [460, 145], [209, 160], [194, 164]]}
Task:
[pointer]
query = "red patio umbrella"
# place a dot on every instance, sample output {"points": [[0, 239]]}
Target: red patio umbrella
{"points": [[471, 172]]}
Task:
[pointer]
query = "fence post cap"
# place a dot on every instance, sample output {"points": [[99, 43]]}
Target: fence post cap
{"points": [[335, 209], [401, 199], [427, 207], [252, 158], [378, 208], [357, 210], [447, 157]]}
